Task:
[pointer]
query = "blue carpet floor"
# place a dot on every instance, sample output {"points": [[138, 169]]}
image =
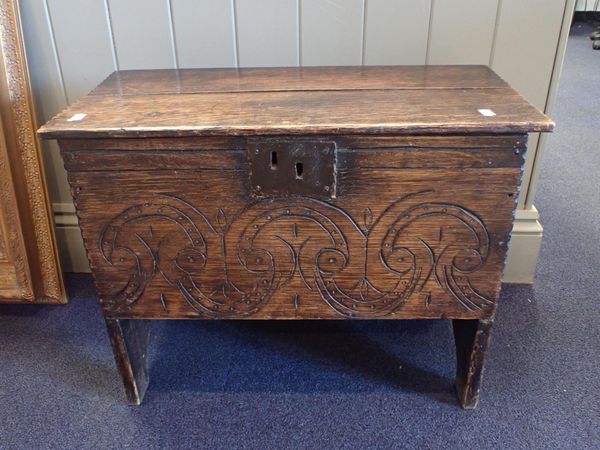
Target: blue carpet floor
{"points": [[342, 385]]}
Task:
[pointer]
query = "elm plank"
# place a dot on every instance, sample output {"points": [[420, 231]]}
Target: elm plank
{"points": [[501, 142], [235, 160], [193, 153], [187, 81], [463, 213], [378, 112]]}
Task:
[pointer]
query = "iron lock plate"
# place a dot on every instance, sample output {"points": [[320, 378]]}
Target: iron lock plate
{"points": [[292, 167]]}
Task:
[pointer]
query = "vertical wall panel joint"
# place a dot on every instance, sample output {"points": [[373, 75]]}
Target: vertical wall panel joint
{"points": [[55, 51], [299, 29], [172, 33], [236, 55], [111, 35], [495, 35], [557, 64], [431, 8], [363, 36], [550, 97]]}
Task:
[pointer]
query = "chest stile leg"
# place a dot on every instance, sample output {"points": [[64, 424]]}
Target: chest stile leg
{"points": [[471, 338], [130, 341]]}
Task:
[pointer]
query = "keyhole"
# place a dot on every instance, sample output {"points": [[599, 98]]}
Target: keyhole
{"points": [[273, 160], [299, 170]]}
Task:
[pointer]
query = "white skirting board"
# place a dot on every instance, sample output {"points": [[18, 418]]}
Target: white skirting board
{"points": [[524, 249], [523, 253], [70, 242]]}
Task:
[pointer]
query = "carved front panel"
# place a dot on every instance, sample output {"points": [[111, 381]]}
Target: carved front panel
{"points": [[395, 243]]}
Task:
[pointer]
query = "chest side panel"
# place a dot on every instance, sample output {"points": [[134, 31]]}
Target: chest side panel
{"points": [[419, 227]]}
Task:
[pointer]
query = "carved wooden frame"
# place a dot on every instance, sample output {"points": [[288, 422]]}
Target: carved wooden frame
{"points": [[30, 227]]}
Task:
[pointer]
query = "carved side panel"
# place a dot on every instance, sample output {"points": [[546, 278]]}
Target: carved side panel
{"points": [[395, 243]]}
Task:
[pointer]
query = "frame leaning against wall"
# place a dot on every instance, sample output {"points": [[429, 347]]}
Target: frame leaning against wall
{"points": [[31, 218]]}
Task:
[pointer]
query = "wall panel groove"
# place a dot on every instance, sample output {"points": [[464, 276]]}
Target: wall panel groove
{"points": [[429, 27], [88, 63], [172, 32], [363, 32], [236, 46], [111, 35], [266, 31], [204, 33], [298, 29], [55, 51], [142, 40], [331, 32], [462, 31], [557, 62], [404, 23], [524, 59], [493, 49]]}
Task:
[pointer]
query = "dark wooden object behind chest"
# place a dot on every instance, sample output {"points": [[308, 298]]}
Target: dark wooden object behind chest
{"points": [[297, 193]]}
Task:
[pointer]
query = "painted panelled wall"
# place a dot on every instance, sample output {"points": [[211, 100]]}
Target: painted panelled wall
{"points": [[587, 5], [72, 45]]}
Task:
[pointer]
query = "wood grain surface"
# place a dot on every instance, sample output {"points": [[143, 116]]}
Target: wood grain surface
{"points": [[471, 340], [292, 101], [415, 232], [297, 193], [262, 79], [170, 174]]}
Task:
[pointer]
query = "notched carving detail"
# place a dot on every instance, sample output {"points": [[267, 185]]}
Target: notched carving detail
{"points": [[233, 267]]}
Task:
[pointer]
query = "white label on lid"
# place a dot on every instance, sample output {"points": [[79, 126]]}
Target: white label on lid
{"points": [[486, 112], [76, 117]]}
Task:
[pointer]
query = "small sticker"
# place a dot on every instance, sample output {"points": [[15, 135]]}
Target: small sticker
{"points": [[486, 112], [76, 117]]}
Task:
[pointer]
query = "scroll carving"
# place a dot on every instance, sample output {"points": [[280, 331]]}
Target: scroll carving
{"points": [[231, 266]]}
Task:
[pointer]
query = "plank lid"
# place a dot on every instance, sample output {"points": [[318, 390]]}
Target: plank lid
{"points": [[305, 100]]}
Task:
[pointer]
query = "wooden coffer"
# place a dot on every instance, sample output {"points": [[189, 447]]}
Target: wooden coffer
{"points": [[298, 193]]}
